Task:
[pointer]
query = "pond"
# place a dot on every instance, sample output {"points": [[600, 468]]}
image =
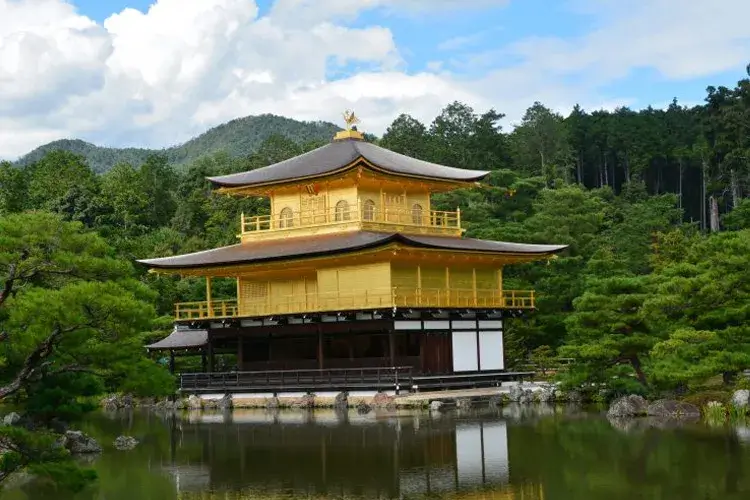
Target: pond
{"points": [[508, 453]]}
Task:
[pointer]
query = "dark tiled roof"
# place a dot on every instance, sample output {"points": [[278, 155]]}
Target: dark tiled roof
{"points": [[337, 155], [181, 339], [311, 246]]}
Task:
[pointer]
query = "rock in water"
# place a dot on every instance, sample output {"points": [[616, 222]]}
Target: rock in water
{"points": [[79, 443], [125, 443], [526, 397], [307, 401], [11, 418], [741, 399], [463, 403], [383, 400], [547, 394], [435, 405], [495, 401], [111, 403], [516, 392], [341, 401], [363, 408], [668, 408], [226, 402], [628, 406], [194, 403]]}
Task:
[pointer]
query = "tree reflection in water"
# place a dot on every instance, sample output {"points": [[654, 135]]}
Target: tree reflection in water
{"points": [[509, 453]]}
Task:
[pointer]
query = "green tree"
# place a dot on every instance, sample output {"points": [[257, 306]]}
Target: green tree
{"points": [[608, 336], [69, 311], [701, 301], [13, 189], [541, 144], [62, 182]]}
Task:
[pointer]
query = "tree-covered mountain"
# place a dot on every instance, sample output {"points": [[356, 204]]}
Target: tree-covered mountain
{"points": [[237, 138]]}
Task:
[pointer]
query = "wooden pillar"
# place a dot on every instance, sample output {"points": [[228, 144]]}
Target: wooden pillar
{"points": [[419, 285], [238, 297], [392, 346], [320, 348], [240, 352], [171, 361], [208, 297], [500, 300], [210, 357], [447, 301], [474, 285]]}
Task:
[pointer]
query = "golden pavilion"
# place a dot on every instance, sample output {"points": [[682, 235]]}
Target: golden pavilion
{"points": [[352, 281]]}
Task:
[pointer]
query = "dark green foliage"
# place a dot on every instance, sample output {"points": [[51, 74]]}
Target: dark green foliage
{"points": [[64, 397], [238, 138], [40, 454]]}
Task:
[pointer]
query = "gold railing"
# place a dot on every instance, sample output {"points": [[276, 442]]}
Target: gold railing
{"points": [[213, 309], [359, 300], [368, 216]]}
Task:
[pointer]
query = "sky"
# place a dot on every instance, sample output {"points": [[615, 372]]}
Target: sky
{"points": [[154, 73]]}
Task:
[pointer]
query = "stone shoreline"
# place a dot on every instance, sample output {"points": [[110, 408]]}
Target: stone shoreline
{"points": [[495, 396]]}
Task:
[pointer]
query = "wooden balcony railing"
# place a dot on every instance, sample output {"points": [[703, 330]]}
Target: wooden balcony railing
{"points": [[375, 378], [205, 309], [359, 300], [369, 217]]}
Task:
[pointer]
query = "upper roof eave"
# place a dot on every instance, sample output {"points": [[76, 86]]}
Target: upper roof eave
{"points": [[339, 156]]}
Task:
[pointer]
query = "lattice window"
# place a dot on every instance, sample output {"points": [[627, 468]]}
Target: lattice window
{"points": [[368, 210], [342, 211], [416, 214], [286, 218]]}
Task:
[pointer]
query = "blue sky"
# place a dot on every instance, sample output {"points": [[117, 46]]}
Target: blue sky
{"points": [[157, 77]]}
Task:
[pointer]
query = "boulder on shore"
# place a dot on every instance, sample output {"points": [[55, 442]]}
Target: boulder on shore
{"points": [[463, 403], [741, 399], [273, 403], [194, 402], [125, 443], [226, 403], [628, 406], [435, 405], [306, 402], [341, 401], [111, 403], [11, 418], [79, 443], [363, 408], [527, 397], [669, 408], [516, 393], [383, 400], [547, 394]]}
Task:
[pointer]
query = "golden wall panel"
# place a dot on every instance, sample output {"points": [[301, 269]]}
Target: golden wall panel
{"points": [[433, 276]]}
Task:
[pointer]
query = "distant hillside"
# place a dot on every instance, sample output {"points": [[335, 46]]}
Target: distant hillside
{"points": [[238, 137]]}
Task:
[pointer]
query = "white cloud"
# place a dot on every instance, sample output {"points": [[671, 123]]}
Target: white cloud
{"points": [[160, 77]]}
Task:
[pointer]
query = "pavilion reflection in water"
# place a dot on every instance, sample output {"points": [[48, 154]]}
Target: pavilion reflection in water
{"points": [[329, 454]]}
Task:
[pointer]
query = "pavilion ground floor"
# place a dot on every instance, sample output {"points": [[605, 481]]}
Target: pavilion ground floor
{"points": [[335, 352]]}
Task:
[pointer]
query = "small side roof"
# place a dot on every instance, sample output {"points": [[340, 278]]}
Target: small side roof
{"points": [[340, 155], [266, 251], [181, 338]]}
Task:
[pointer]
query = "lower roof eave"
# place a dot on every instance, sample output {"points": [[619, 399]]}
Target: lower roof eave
{"points": [[337, 244]]}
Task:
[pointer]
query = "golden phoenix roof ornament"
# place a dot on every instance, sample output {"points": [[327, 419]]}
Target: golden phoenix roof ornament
{"points": [[350, 119]]}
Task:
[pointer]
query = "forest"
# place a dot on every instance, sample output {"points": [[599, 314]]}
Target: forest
{"points": [[653, 294]]}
